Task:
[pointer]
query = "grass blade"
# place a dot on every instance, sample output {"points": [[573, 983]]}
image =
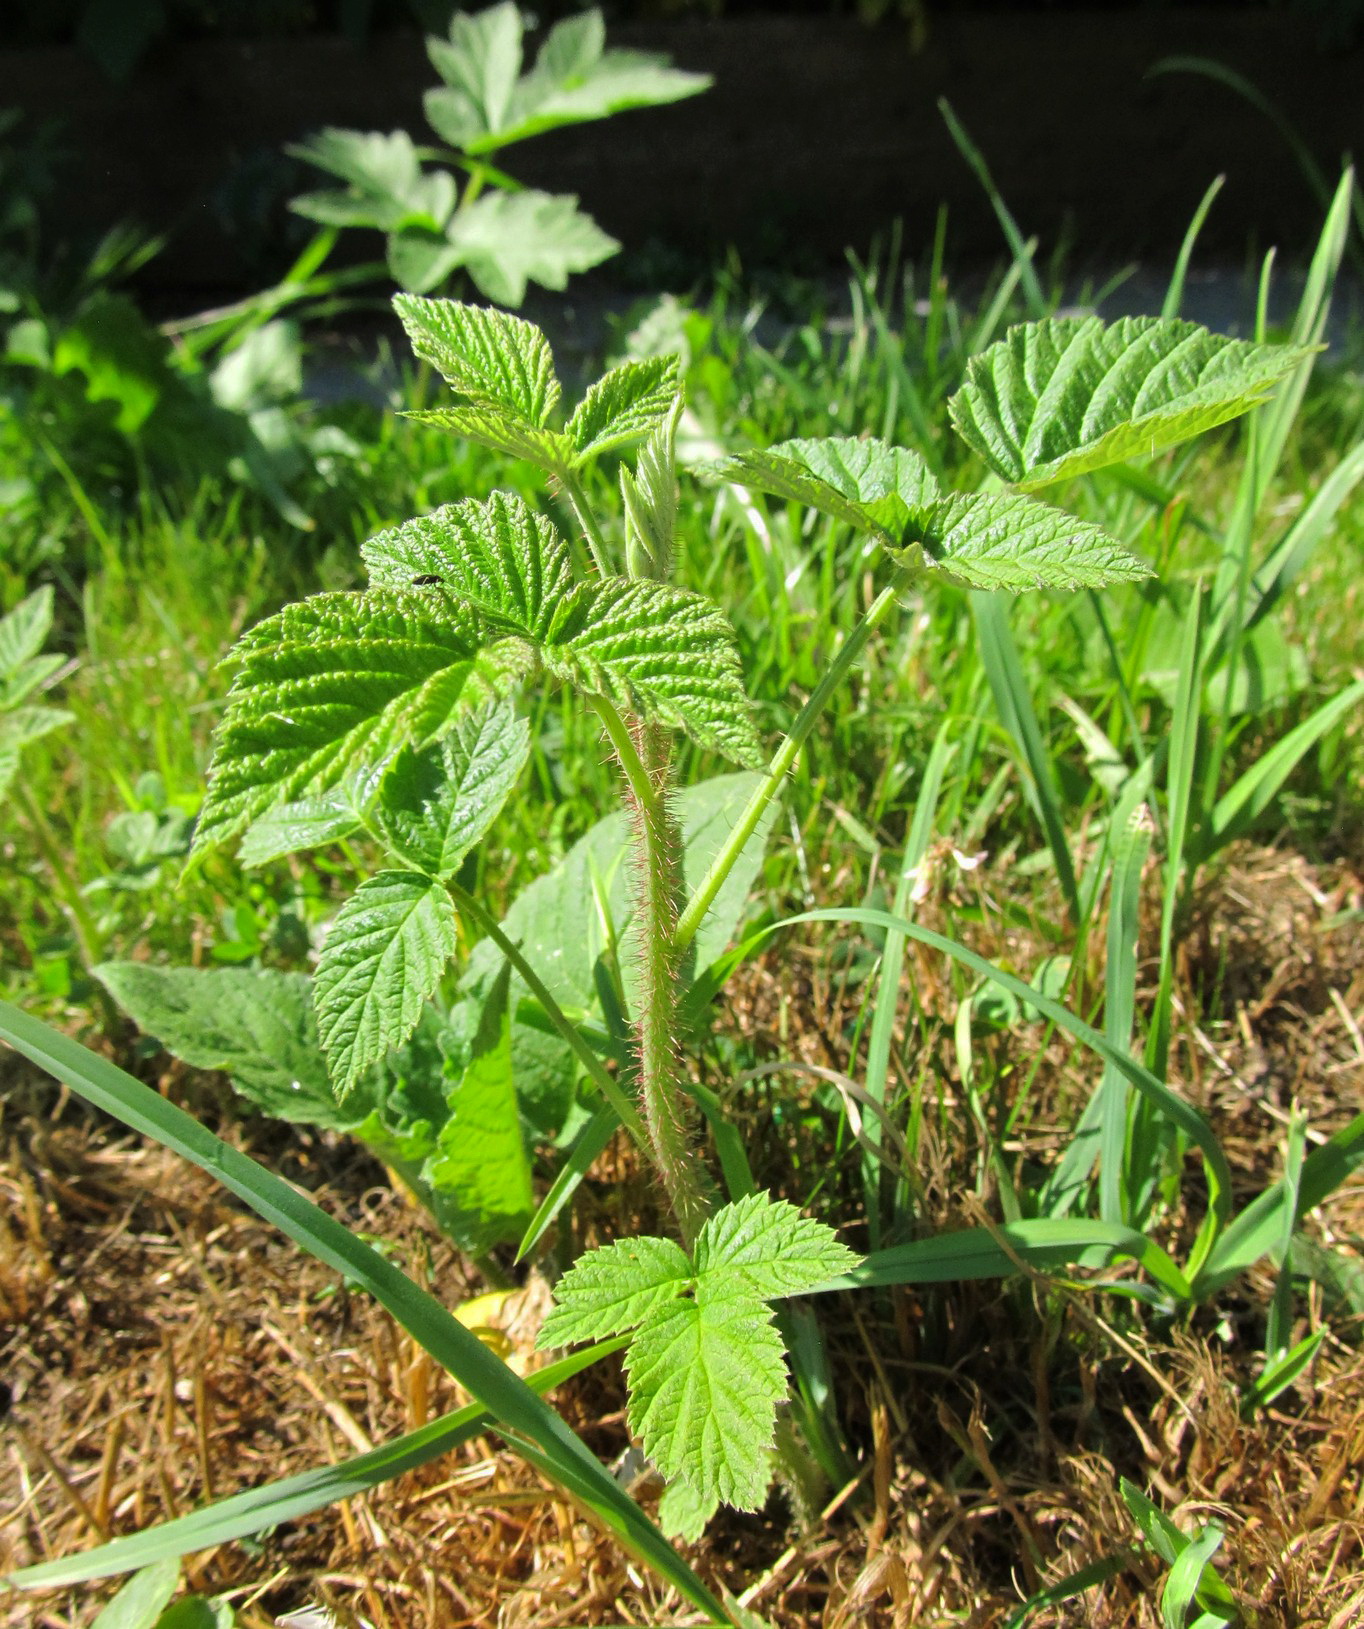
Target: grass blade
{"points": [[1279, 1324], [1174, 295], [1120, 1001], [999, 657], [1022, 253], [589, 1142], [294, 1496], [513, 1404]]}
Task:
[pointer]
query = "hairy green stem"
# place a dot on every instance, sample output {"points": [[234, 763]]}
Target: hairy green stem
{"points": [[641, 786], [661, 1093], [609, 1088], [785, 756], [588, 521]]}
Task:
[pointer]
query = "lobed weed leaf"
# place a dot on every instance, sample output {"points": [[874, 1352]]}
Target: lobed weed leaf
{"points": [[768, 1245], [614, 1289]]}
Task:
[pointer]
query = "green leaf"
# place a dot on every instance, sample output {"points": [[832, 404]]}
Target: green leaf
{"points": [[1053, 399], [337, 683], [1002, 541], [683, 1511], [382, 959], [628, 402], [497, 360], [770, 1246], [142, 1599], [256, 1025], [420, 256], [196, 1612], [649, 497], [506, 562], [508, 239], [486, 102], [292, 827], [615, 1288], [480, 1169], [24, 629], [863, 482], [706, 1375], [434, 805], [26, 724], [387, 186], [548, 449]]}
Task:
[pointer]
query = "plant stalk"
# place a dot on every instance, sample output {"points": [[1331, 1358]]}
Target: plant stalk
{"points": [[596, 543], [785, 756]]}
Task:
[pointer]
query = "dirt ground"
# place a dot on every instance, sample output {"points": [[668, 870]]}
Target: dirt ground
{"points": [[160, 1347]]}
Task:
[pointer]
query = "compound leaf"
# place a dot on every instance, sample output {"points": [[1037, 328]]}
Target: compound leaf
{"points": [[256, 1025], [549, 449], [1055, 398], [479, 1169], [497, 360], [771, 1247], [706, 1375], [508, 239], [335, 683], [292, 827], [382, 959], [628, 402], [486, 103], [615, 1288], [435, 804]]}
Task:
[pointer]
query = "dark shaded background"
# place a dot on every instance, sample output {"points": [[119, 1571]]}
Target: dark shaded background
{"points": [[822, 127]]}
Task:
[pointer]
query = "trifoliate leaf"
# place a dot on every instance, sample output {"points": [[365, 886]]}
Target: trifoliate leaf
{"points": [[624, 404], [664, 650], [479, 1168], [864, 483], [382, 959], [1056, 398], [497, 360], [435, 804], [256, 1025], [706, 1375], [614, 1289], [337, 682], [1002, 540], [683, 1511], [508, 239], [292, 827], [486, 102], [499, 557], [772, 1247]]}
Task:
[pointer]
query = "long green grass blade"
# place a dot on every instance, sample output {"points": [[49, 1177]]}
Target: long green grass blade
{"points": [[1216, 1171], [1174, 295], [1259, 1227], [999, 656], [294, 1496], [1120, 1003], [504, 1394], [1045, 1244], [589, 1142], [1279, 1323], [1022, 253]]}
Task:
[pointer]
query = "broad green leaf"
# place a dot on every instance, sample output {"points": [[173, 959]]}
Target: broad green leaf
{"points": [[508, 563], [496, 360], [142, 1599], [706, 1375], [665, 651], [863, 482], [648, 646], [420, 256], [550, 450], [628, 402], [1053, 399], [770, 1246], [479, 1169], [382, 959], [615, 1288], [197, 1612], [337, 683], [1002, 541], [434, 805], [292, 827], [387, 186], [487, 103], [256, 1025], [23, 631], [506, 240]]}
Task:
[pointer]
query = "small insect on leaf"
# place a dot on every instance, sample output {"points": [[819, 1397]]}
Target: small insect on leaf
{"points": [[426, 580]]}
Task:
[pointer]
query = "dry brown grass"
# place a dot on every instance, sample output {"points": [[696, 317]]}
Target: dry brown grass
{"points": [[161, 1347]]}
